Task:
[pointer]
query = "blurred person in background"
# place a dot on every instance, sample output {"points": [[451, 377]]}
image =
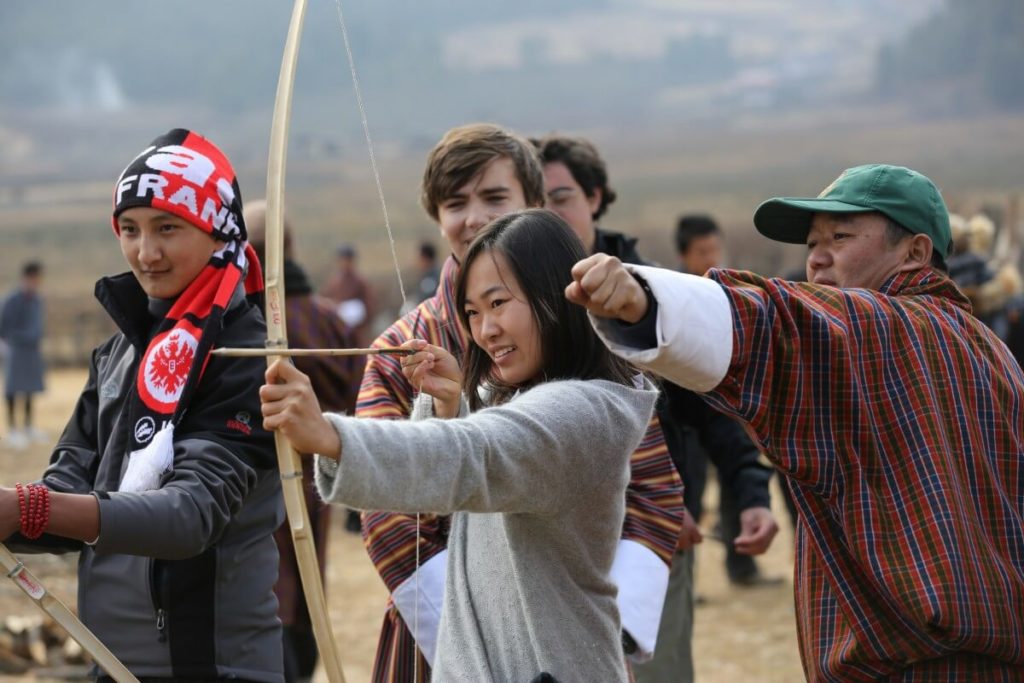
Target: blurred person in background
{"points": [[351, 293], [994, 287], [21, 328], [699, 243], [312, 324], [428, 272], [576, 188]]}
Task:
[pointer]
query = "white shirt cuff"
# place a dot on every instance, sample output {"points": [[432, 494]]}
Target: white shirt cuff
{"points": [[642, 578], [694, 330], [419, 599]]}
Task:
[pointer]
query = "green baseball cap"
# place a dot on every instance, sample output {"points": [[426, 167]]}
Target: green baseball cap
{"points": [[905, 196]]}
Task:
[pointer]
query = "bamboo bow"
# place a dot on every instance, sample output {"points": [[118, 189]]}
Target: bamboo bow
{"points": [[277, 339]]}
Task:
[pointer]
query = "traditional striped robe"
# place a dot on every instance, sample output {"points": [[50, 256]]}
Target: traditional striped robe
{"points": [[898, 418]]}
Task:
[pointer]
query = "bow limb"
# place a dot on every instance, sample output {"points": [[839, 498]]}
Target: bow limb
{"points": [[104, 658], [288, 460]]}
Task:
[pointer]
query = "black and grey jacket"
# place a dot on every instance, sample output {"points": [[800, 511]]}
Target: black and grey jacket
{"points": [[180, 581]]}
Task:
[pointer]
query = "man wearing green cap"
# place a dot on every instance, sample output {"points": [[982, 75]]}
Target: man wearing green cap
{"points": [[896, 414], [870, 203]]}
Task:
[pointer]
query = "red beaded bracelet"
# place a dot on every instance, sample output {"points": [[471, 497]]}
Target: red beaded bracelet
{"points": [[34, 506], [22, 507], [42, 494]]}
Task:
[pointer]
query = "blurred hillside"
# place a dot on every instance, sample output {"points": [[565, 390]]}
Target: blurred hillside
{"points": [[77, 78], [963, 59]]}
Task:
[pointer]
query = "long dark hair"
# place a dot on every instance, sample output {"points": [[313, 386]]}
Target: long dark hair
{"points": [[540, 249]]}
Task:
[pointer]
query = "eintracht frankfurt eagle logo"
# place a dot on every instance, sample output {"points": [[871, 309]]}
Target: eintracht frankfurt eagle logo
{"points": [[167, 364]]}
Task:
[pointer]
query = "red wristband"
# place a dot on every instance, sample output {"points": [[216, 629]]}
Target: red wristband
{"points": [[22, 505]]}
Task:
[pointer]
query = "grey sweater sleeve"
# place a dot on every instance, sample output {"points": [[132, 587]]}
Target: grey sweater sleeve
{"points": [[538, 453]]}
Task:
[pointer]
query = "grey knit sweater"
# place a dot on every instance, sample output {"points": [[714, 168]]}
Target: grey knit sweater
{"points": [[537, 486]]}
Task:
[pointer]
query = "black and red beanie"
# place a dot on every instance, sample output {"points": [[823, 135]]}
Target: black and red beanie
{"points": [[186, 175]]}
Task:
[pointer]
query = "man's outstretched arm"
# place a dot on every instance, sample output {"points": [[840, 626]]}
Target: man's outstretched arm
{"points": [[675, 325]]}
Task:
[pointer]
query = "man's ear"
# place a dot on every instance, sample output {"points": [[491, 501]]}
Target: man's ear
{"points": [[919, 253], [594, 201]]}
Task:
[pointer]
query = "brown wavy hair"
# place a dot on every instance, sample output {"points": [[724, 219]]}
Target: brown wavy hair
{"points": [[464, 151]]}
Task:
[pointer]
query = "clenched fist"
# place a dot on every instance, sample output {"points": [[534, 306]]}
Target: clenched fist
{"points": [[603, 286]]}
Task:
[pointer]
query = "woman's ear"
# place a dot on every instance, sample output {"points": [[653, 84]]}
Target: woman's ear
{"points": [[919, 253]]}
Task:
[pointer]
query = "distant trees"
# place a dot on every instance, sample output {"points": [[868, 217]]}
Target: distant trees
{"points": [[967, 56]]}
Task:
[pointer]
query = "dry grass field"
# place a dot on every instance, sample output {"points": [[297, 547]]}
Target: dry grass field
{"points": [[741, 634]]}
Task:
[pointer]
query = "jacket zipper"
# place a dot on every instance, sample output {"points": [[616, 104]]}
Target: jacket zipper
{"points": [[158, 608]]}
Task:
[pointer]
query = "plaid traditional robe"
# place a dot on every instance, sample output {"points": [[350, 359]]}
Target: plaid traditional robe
{"points": [[898, 418], [654, 501]]}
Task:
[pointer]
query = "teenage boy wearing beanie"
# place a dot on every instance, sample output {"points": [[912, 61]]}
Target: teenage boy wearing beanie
{"points": [[896, 414], [164, 479]]}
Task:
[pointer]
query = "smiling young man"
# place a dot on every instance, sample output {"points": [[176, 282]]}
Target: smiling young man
{"points": [[477, 173], [164, 479], [164, 252], [896, 414], [576, 188]]}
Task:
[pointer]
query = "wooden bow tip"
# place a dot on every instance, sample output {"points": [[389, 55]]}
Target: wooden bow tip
{"points": [[44, 600]]}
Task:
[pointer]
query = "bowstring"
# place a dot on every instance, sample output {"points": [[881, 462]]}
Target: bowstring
{"points": [[398, 272], [416, 573], [369, 147]]}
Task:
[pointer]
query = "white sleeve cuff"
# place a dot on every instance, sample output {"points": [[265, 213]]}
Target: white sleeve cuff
{"points": [[419, 599], [642, 578], [694, 330], [423, 407]]}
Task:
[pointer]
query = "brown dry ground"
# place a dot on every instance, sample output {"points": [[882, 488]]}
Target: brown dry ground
{"points": [[740, 634]]}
